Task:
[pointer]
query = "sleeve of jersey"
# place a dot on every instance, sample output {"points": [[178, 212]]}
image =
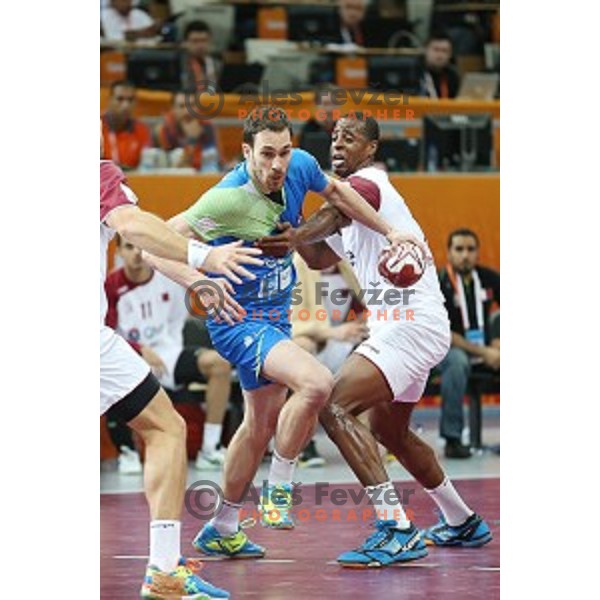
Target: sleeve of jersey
{"points": [[368, 189], [313, 175], [113, 190], [335, 243], [213, 214]]}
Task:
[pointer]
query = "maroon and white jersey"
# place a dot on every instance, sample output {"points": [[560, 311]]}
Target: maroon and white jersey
{"points": [[113, 194], [152, 314], [362, 247]]}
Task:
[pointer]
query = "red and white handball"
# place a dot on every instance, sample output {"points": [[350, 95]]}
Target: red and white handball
{"points": [[402, 265]]}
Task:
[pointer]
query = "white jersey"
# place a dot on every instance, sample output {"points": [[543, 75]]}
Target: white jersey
{"points": [[149, 314], [409, 329], [362, 247]]}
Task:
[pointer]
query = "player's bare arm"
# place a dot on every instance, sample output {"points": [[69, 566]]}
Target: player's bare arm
{"points": [[153, 235], [308, 238], [354, 206]]}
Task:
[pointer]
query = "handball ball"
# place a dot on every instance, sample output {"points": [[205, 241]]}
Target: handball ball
{"points": [[402, 265]]}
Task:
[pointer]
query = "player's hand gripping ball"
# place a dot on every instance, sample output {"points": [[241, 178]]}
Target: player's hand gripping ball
{"points": [[402, 265]]}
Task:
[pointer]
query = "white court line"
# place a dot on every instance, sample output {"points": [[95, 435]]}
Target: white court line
{"points": [[210, 559], [484, 568]]}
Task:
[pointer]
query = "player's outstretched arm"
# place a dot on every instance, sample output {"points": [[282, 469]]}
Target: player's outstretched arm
{"points": [[152, 234], [354, 206]]}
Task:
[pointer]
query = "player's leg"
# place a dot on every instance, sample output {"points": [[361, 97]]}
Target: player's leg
{"points": [[460, 526], [311, 384], [222, 535], [137, 399], [309, 456], [360, 386], [216, 371]]}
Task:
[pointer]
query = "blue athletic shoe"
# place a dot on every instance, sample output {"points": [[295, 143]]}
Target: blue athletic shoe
{"points": [[182, 582], [386, 546], [275, 508], [210, 542], [473, 533]]}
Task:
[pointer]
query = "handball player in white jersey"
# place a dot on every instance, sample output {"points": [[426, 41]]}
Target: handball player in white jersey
{"points": [[127, 384], [386, 375]]}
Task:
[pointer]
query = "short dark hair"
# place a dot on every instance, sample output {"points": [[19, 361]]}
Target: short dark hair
{"points": [[463, 231], [439, 36], [370, 127], [196, 27], [273, 118], [121, 83]]}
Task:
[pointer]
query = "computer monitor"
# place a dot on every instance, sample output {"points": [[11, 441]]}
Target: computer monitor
{"points": [[396, 73], [318, 143], [154, 68], [479, 86], [287, 72], [399, 154], [311, 23], [240, 79], [457, 142]]}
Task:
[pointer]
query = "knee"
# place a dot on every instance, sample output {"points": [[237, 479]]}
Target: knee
{"points": [[213, 364], [178, 428], [457, 362], [220, 367], [317, 388], [333, 417]]}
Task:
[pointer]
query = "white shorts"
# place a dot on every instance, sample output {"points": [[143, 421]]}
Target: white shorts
{"points": [[405, 353], [121, 369]]}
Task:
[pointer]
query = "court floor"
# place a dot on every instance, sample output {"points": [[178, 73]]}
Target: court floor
{"points": [[300, 564]]}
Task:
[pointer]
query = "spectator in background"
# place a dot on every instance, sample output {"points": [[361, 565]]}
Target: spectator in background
{"points": [[198, 67], [322, 122], [350, 28], [189, 141], [440, 78], [125, 137], [317, 333], [149, 311], [120, 22], [470, 293]]}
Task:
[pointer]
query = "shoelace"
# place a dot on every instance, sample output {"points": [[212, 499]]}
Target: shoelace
{"points": [[193, 564], [376, 537], [248, 523]]}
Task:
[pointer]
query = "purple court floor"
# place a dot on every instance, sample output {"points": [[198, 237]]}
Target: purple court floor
{"points": [[300, 564]]}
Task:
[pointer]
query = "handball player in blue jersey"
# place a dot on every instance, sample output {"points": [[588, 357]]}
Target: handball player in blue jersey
{"points": [[255, 200]]}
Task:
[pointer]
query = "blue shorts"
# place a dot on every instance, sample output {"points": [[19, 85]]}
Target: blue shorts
{"points": [[246, 345]]}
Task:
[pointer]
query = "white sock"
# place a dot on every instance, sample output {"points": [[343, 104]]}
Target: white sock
{"points": [[453, 507], [387, 505], [211, 437], [227, 521], [282, 469], [165, 549]]}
